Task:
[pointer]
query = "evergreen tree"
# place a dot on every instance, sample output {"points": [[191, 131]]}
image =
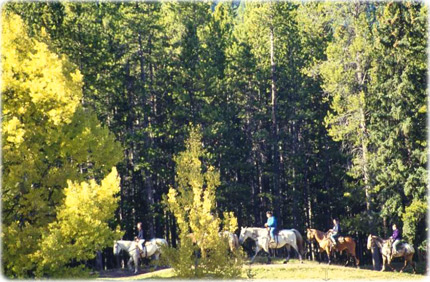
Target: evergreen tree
{"points": [[399, 83], [313, 109], [346, 77]]}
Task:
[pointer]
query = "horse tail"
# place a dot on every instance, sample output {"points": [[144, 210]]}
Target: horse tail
{"points": [[300, 242]]}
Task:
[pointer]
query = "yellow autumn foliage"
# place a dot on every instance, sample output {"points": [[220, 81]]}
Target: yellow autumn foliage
{"points": [[45, 83], [81, 226], [48, 139], [193, 204]]}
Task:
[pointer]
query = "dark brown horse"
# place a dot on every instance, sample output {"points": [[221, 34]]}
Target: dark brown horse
{"points": [[345, 244]]}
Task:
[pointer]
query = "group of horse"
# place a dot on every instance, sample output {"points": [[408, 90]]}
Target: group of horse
{"points": [[288, 238], [347, 244]]}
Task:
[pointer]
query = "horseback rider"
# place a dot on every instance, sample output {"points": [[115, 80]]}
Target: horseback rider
{"points": [[140, 240], [335, 232], [396, 237], [271, 225]]}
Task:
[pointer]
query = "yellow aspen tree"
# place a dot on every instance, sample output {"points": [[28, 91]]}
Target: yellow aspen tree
{"points": [[193, 204], [47, 139]]}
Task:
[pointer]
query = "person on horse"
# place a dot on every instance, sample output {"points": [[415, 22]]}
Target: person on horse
{"points": [[396, 237], [335, 232], [140, 240], [271, 224]]}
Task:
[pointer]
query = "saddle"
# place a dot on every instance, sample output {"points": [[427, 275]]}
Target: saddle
{"points": [[396, 249], [340, 240], [275, 241], [144, 252], [275, 233]]}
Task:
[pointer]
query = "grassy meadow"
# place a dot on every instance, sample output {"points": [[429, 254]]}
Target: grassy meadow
{"points": [[294, 270]]}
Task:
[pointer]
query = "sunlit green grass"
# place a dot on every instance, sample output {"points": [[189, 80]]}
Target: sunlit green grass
{"points": [[294, 270], [314, 271]]}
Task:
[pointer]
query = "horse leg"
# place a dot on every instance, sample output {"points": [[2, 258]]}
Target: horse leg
{"points": [[257, 250], [404, 266], [357, 260], [408, 259], [320, 255], [294, 245], [383, 264], [288, 254], [130, 261], [327, 250], [389, 264], [156, 257], [269, 259], [348, 257], [350, 254], [136, 264], [413, 265]]}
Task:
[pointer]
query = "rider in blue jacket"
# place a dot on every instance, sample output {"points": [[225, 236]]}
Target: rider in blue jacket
{"points": [[271, 224]]}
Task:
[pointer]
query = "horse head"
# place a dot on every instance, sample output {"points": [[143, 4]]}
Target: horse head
{"points": [[373, 240], [310, 233], [369, 241], [116, 248], [243, 234]]}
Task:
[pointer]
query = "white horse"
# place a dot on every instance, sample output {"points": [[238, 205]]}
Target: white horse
{"points": [[150, 248], [285, 237], [406, 251], [233, 241]]}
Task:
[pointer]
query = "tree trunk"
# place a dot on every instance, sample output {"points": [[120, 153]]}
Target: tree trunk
{"points": [[148, 141], [365, 162], [274, 126], [364, 142], [376, 260], [99, 261]]}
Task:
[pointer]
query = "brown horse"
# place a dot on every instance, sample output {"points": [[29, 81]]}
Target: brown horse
{"points": [[325, 244], [406, 251]]}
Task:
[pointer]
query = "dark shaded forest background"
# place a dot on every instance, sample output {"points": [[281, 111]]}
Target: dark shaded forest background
{"points": [[313, 110]]}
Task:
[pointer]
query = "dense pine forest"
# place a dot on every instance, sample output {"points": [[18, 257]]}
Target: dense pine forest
{"points": [[314, 110]]}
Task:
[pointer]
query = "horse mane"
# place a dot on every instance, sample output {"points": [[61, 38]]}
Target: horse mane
{"points": [[379, 239], [321, 234]]}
